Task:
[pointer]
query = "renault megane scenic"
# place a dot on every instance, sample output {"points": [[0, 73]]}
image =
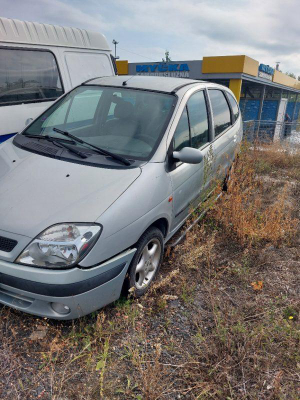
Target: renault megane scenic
{"points": [[92, 189]]}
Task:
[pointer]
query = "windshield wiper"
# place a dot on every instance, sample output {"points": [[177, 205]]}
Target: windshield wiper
{"points": [[60, 143], [99, 149]]}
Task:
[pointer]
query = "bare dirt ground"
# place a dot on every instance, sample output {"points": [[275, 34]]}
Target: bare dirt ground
{"points": [[221, 321]]}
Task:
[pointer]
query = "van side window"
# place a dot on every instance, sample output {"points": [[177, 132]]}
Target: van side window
{"points": [[182, 133], [220, 110], [234, 106], [83, 66], [198, 119], [28, 76], [83, 108], [76, 113]]}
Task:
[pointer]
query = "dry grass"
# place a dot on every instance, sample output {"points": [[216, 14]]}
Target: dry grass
{"points": [[244, 211], [221, 322]]}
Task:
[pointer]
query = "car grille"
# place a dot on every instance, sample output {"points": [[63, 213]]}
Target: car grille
{"points": [[6, 244]]}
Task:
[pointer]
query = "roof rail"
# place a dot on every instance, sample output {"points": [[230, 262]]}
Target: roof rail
{"points": [[183, 85], [91, 79]]}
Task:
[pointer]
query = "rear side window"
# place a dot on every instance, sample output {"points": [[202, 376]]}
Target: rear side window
{"points": [[220, 110], [198, 119], [83, 66], [182, 133], [28, 76], [234, 106]]}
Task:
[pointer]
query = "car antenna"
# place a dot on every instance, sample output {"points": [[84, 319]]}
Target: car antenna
{"points": [[125, 82]]}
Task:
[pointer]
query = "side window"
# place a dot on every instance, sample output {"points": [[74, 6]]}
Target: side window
{"points": [[234, 106], [220, 110], [182, 134], [28, 76], [129, 97], [57, 117], [84, 106], [198, 119], [83, 66], [73, 113], [113, 106]]}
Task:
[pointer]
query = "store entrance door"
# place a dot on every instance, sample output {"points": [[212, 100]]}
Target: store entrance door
{"points": [[280, 118]]}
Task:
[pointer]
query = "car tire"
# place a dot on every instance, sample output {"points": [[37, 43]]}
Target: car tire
{"points": [[145, 263]]}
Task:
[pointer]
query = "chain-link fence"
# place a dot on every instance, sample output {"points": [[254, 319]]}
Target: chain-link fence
{"points": [[269, 131]]}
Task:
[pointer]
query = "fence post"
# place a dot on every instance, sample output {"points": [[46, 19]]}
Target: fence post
{"points": [[260, 108]]}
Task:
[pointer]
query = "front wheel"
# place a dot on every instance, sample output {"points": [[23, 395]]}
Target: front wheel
{"points": [[146, 261]]}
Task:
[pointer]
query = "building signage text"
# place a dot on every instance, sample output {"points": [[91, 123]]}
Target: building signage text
{"points": [[179, 70], [265, 71]]}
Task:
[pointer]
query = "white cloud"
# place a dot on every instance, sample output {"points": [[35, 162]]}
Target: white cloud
{"points": [[266, 30], [54, 12]]}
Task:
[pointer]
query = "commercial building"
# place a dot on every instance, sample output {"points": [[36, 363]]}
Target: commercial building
{"points": [[264, 93]]}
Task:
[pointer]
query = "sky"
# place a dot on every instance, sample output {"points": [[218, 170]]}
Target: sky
{"points": [[266, 30]]}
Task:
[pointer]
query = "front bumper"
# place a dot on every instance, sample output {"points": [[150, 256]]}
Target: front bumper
{"points": [[63, 294]]}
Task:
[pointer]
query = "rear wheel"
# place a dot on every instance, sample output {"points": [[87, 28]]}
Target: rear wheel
{"points": [[146, 261]]}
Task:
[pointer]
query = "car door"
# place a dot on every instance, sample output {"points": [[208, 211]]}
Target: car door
{"points": [[225, 133], [187, 179]]}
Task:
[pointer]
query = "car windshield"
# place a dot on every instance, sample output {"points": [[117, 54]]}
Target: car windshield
{"points": [[126, 122]]}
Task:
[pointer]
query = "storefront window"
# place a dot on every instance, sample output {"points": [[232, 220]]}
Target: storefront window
{"points": [[297, 112], [272, 93], [270, 104], [291, 106], [251, 90], [250, 100]]}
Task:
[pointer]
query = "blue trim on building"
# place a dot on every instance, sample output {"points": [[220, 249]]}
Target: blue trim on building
{"points": [[5, 137]]}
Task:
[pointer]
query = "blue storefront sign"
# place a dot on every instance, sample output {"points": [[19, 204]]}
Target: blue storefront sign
{"points": [[162, 68], [265, 72], [266, 69]]}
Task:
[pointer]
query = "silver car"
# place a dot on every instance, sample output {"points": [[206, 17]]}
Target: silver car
{"points": [[91, 191]]}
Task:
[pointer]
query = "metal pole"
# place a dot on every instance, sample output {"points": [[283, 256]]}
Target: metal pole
{"points": [[260, 108], [279, 104], [115, 43], [294, 110], [278, 126]]}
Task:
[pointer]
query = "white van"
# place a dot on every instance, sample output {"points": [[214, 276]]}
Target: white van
{"points": [[39, 63]]}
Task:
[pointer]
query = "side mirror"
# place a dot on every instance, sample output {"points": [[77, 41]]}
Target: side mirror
{"points": [[28, 121], [188, 155]]}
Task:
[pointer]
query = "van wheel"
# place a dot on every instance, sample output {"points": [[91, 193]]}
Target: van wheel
{"points": [[146, 261]]}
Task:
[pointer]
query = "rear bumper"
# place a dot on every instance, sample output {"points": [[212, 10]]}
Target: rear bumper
{"points": [[66, 294]]}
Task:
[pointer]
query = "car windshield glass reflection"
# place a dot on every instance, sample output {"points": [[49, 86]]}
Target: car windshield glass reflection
{"points": [[123, 121]]}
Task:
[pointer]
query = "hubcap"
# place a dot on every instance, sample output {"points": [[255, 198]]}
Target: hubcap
{"points": [[147, 264]]}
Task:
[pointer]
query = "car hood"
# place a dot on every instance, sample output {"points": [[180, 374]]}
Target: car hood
{"points": [[37, 191]]}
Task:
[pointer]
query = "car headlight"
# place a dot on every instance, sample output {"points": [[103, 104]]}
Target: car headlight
{"points": [[61, 245]]}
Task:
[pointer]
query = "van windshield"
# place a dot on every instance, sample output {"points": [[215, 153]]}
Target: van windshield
{"points": [[123, 121]]}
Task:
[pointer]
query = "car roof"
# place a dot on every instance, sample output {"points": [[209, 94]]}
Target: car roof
{"points": [[154, 83], [34, 33]]}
